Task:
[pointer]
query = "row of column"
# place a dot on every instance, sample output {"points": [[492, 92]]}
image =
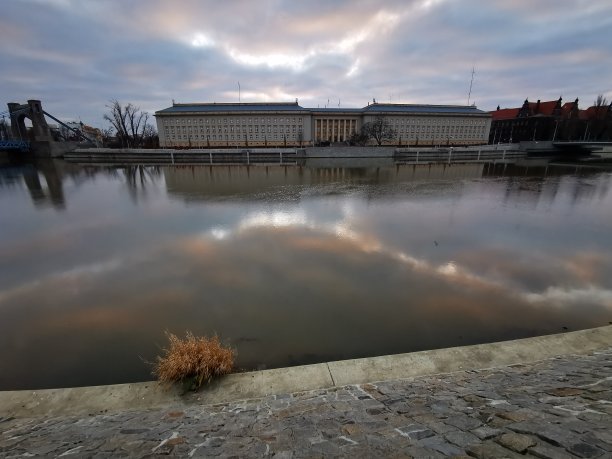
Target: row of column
{"points": [[334, 130]]}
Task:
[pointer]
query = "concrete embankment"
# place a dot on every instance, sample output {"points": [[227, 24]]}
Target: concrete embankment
{"points": [[242, 386], [126, 156], [288, 156]]}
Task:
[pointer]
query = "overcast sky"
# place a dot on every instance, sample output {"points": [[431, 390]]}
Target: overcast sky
{"points": [[76, 55]]}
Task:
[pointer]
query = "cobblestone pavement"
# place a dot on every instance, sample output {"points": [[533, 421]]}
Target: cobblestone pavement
{"points": [[551, 409]]}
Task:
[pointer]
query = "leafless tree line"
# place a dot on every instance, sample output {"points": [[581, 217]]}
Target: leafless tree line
{"points": [[130, 125]]}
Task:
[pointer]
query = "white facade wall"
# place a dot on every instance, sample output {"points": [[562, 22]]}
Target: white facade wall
{"points": [[431, 129], [305, 127], [233, 129]]}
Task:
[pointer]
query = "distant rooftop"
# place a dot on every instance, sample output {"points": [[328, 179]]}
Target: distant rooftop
{"points": [[294, 106], [422, 108], [224, 107]]}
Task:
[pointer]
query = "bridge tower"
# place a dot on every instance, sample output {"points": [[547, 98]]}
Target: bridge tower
{"points": [[34, 112]]}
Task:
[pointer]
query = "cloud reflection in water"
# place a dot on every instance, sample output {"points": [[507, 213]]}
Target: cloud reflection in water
{"points": [[319, 276]]}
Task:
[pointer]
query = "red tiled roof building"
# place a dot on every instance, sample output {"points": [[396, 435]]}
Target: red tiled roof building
{"points": [[551, 120]]}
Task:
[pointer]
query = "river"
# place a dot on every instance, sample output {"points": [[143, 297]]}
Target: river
{"points": [[290, 265]]}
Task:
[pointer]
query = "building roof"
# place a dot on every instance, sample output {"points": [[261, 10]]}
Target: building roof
{"points": [[335, 110], [418, 108], [374, 108], [543, 108], [568, 107], [230, 107], [594, 112], [539, 108], [505, 113]]}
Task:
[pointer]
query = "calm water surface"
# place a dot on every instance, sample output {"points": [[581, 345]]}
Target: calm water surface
{"points": [[290, 265]]}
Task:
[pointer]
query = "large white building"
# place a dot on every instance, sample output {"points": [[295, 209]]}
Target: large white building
{"points": [[289, 124]]}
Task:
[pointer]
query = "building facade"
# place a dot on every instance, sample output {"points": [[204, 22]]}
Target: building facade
{"points": [[288, 124], [551, 120]]}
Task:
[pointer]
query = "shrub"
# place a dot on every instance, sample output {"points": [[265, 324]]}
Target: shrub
{"points": [[193, 361]]}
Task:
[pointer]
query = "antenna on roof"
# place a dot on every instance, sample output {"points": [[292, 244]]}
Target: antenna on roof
{"points": [[173, 102], [239, 92], [471, 82]]}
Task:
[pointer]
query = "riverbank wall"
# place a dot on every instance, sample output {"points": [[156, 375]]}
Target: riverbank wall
{"points": [[296, 156], [244, 386]]}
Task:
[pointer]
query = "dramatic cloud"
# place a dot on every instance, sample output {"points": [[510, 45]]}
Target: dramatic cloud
{"points": [[76, 56]]}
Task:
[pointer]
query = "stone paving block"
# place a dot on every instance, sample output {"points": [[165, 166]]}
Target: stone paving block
{"points": [[414, 431], [526, 413], [44, 448], [420, 452], [475, 400], [434, 423], [325, 448], [584, 450], [441, 445], [486, 432], [546, 451], [604, 437], [379, 444], [547, 432], [565, 391], [461, 438], [490, 449], [516, 442], [463, 422], [593, 417], [575, 425]]}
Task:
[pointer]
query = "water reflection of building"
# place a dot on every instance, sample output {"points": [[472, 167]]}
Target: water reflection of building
{"points": [[209, 182], [528, 186], [533, 186]]}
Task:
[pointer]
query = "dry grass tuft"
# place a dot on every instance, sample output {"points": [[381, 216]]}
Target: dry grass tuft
{"points": [[193, 360]]}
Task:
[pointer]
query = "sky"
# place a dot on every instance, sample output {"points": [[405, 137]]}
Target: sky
{"points": [[78, 55]]}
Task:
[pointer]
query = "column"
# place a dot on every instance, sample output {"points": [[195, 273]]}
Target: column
{"points": [[334, 129]]}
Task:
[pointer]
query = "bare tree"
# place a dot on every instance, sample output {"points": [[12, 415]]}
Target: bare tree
{"points": [[107, 136], [359, 138], [601, 120], [380, 130], [150, 139], [129, 123], [4, 130], [601, 101]]}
